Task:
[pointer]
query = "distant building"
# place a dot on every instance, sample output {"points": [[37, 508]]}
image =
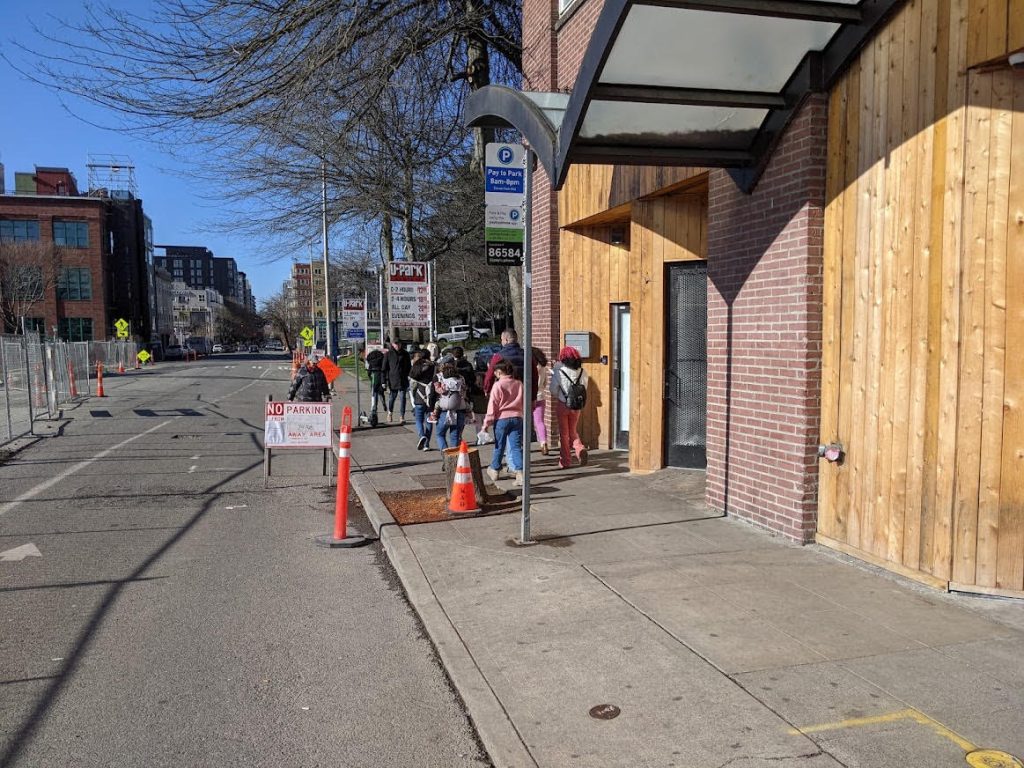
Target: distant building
{"points": [[300, 296], [195, 311], [90, 256], [198, 268]]}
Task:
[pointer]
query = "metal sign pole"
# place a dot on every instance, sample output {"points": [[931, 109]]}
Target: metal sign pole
{"points": [[524, 527], [355, 366], [327, 280]]}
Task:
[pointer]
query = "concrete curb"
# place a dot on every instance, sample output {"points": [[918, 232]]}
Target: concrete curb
{"points": [[499, 736]]}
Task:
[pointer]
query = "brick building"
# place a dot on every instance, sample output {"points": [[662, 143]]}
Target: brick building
{"points": [[760, 228], [97, 270]]}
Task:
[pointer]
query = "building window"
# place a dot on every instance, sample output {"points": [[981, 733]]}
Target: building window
{"points": [[75, 284], [71, 234], [177, 262], [14, 230], [75, 328], [35, 325]]}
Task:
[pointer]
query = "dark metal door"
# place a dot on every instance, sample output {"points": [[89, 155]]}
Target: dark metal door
{"points": [[686, 365], [620, 375]]}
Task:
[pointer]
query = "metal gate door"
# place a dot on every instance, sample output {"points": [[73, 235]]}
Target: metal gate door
{"points": [[686, 365]]}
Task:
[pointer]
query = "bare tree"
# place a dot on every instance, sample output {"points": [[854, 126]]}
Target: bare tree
{"points": [[29, 272], [284, 318]]}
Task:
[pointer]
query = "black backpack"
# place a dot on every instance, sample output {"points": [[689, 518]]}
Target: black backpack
{"points": [[576, 395]]}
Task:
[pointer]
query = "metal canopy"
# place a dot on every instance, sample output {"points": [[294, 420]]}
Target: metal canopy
{"points": [[708, 82]]}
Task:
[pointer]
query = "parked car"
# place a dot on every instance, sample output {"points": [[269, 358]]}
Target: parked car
{"points": [[174, 352], [200, 345], [461, 333], [218, 348], [254, 347], [483, 356]]}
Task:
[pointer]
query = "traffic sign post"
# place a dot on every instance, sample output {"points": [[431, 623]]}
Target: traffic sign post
{"points": [[121, 326], [506, 188], [307, 335], [353, 320]]}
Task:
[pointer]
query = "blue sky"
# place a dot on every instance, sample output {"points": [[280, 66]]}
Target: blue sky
{"points": [[35, 129]]}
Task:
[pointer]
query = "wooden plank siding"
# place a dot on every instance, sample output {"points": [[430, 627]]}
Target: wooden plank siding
{"points": [[924, 256], [595, 274], [598, 194]]}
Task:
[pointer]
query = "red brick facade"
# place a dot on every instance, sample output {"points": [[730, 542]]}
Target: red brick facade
{"points": [[45, 210], [764, 334], [764, 297]]}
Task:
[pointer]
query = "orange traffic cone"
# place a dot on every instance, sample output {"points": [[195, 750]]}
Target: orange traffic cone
{"points": [[463, 498], [99, 380], [120, 366]]}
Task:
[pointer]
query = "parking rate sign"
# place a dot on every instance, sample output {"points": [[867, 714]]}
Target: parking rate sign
{"points": [[505, 195], [353, 318], [409, 294]]}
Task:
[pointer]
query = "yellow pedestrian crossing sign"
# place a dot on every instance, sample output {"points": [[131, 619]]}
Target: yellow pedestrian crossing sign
{"points": [[307, 336], [144, 356], [122, 328]]}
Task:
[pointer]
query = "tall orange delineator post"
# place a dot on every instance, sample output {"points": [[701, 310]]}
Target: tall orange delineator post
{"points": [[99, 380], [340, 538], [463, 500]]}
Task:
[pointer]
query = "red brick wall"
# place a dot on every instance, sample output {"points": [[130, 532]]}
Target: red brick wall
{"points": [[45, 210], [765, 263], [573, 37]]}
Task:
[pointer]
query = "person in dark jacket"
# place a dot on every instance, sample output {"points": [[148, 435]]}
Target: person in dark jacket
{"points": [[511, 353], [423, 396], [395, 371], [309, 385], [374, 366], [465, 369]]}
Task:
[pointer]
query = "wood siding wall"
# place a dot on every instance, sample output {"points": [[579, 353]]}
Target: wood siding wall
{"points": [[596, 274], [595, 194], [924, 254]]}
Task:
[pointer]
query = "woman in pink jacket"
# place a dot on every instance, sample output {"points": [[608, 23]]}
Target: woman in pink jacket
{"points": [[505, 412]]}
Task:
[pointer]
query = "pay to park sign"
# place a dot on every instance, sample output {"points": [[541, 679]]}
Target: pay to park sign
{"points": [[297, 425], [505, 195]]}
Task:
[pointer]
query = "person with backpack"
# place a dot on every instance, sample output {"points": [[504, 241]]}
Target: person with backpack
{"points": [[569, 388], [421, 379], [505, 414], [450, 408]]}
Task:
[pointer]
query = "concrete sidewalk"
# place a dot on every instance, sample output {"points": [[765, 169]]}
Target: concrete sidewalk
{"points": [[719, 644]]}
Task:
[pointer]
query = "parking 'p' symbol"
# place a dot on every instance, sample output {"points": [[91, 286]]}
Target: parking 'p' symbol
{"points": [[505, 155]]}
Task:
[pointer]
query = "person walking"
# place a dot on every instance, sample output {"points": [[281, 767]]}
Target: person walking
{"points": [[421, 376], [309, 385], [569, 388], [512, 353], [450, 408], [374, 367], [505, 415], [395, 372], [540, 428]]}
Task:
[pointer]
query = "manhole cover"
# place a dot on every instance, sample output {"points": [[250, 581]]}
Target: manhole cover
{"points": [[992, 758], [605, 712]]}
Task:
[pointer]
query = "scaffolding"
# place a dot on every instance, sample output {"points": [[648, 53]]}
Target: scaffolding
{"points": [[112, 176]]}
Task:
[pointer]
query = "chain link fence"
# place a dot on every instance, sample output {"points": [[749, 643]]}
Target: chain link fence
{"points": [[38, 377]]}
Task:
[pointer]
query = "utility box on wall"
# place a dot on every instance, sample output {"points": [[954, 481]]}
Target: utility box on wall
{"points": [[580, 341]]}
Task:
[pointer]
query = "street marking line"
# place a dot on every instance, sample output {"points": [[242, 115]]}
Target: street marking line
{"points": [[60, 477], [904, 714]]}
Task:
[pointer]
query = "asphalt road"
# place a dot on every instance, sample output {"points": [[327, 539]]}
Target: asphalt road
{"points": [[180, 614]]}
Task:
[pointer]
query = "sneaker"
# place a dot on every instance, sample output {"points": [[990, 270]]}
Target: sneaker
{"points": [[389, 417], [544, 449], [519, 479], [401, 422], [582, 457], [422, 444], [493, 474]]}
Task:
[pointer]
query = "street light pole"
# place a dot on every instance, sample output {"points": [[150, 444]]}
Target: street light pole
{"points": [[327, 280]]}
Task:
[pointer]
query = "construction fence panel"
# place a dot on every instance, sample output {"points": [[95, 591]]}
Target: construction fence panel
{"points": [[16, 379]]}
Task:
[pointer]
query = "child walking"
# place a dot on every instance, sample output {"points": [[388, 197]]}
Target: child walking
{"points": [[505, 412]]}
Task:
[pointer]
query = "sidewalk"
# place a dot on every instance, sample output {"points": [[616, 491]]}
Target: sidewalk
{"points": [[718, 643]]}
